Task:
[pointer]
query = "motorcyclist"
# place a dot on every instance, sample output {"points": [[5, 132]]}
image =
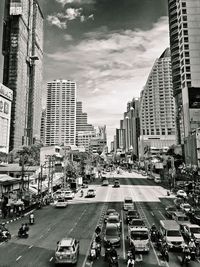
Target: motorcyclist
{"points": [[108, 247], [98, 239], [113, 252], [131, 262], [164, 248], [192, 244], [186, 252], [98, 230], [82, 192], [153, 228], [31, 218], [132, 249]]}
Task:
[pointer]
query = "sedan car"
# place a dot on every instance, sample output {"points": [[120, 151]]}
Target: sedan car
{"points": [[116, 183], [109, 212], [105, 182], [185, 207], [191, 231], [61, 203], [67, 251], [112, 234], [91, 193], [131, 214], [181, 193], [67, 194], [114, 219], [169, 211]]}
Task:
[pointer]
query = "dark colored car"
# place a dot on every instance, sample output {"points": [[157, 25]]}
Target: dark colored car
{"points": [[116, 183], [195, 216], [169, 210], [132, 214]]}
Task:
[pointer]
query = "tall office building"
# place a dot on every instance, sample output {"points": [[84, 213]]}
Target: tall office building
{"points": [[23, 55], [61, 113], [157, 119], [184, 28]]}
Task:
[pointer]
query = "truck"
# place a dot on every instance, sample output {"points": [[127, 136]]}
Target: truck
{"points": [[140, 238]]}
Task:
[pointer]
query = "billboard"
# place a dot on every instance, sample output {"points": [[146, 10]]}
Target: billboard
{"points": [[194, 97]]}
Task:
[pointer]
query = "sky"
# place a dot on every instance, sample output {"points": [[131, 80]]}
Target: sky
{"points": [[107, 47]]}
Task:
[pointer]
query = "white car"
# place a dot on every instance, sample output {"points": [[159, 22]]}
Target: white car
{"points": [[157, 180], [91, 193], [61, 203], [181, 193], [67, 194], [185, 207]]}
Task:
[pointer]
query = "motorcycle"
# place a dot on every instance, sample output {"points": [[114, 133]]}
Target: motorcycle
{"points": [[107, 253], [113, 261], [5, 236], [22, 234], [159, 244], [165, 254], [186, 259], [31, 220], [129, 255], [153, 236], [193, 253]]}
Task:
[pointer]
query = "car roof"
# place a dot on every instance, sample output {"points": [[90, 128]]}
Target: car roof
{"points": [[111, 226], [190, 225], [66, 242]]}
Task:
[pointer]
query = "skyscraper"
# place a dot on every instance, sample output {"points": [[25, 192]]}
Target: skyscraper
{"points": [[157, 120], [184, 28], [23, 55], [61, 113]]}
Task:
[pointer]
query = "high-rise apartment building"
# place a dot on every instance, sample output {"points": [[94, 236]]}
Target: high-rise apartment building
{"points": [[81, 119], [61, 113], [157, 119], [23, 57], [184, 28], [43, 126]]}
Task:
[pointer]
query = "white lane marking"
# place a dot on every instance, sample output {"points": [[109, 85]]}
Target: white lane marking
{"points": [[152, 213], [162, 215], [139, 257], [123, 237], [18, 258], [48, 229], [41, 236], [12, 235], [2, 243], [51, 259], [30, 246]]}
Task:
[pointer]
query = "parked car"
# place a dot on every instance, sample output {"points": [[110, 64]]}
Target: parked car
{"points": [[91, 193], [191, 231], [131, 214], [109, 212], [114, 219], [67, 251], [105, 182], [67, 194], [181, 193], [185, 207], [169, 210], [195, 216], [112, 234], [61, 203]]}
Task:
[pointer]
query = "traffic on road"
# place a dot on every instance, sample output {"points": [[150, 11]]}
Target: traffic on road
{"points": [[136, 223]]}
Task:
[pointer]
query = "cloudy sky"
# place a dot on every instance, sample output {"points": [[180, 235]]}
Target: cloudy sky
{"points": [[107, 46]]}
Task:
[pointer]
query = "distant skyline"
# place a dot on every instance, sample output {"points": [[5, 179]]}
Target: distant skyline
{"points": [[107, 47]]}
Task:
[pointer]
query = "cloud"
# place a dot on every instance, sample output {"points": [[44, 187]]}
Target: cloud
{"points": [[111, 67], [54, 20], [61, 19]]}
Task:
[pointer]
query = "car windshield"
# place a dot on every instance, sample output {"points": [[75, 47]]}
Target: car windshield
{"points": [[171, 208], [186, 206], [173, 233], [110, 211], [90, 190], [113, 220], [195, 230], [61, 200], [111, 232], [182, 218], [197, 213], [65, 249], [139, 235], [137, 223], [132, 212], [128, 201]]}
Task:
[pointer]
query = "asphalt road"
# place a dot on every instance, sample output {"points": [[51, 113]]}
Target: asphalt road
{"points": [[79, 220]]}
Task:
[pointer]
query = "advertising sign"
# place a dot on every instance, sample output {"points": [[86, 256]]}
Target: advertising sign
{"points": [[194, 97]]}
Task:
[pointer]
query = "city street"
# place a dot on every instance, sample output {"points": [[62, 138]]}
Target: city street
{"points": [[79, 220]]}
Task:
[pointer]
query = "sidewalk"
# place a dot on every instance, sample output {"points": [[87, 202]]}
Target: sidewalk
{"points": [[15, 217]]}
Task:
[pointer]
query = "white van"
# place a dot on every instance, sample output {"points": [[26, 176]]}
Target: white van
{"points": [[171, 233]]}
